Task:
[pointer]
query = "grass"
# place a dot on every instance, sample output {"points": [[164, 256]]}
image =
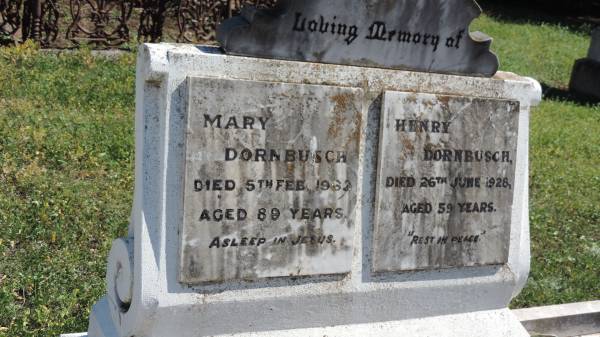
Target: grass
{"points": [[66, 166], [565, 164], [66, 149]]}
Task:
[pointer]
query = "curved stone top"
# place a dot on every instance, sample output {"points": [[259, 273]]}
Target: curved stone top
{"points": [[420, 35]]}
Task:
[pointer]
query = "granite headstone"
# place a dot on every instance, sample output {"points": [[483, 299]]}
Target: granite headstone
{"points": [[421, 35], [585, 78]]}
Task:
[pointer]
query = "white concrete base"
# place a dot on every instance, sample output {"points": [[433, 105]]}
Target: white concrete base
{"points": [[145, 298], [573, 319], [500, 323], [493, 323]]}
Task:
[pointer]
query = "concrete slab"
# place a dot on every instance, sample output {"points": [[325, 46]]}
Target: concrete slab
{"points": [[145, 296], [565, 320]]}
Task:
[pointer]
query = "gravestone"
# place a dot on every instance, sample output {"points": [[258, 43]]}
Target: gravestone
{"points": [[339, 198], [586, 71], [423, 35]]}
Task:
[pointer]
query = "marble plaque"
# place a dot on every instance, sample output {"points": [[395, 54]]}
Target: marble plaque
{"points": [[421, 35], [270, 180], [445, 181]]}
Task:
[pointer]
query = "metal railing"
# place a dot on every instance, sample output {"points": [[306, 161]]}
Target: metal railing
{"points": [[111, 23]]}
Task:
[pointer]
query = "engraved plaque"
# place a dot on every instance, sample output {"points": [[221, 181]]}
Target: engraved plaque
{"points": [[270, 180], [445, 181], [421, 35]]}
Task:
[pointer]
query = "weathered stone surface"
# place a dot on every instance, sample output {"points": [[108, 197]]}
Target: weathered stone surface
{"points": [[360, 303], [270, 180], [445, 181], [422, 35], [594, 52]]}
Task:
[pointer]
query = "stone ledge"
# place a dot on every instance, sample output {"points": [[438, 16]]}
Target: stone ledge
{"points": [[581, 319], [574, 319]]}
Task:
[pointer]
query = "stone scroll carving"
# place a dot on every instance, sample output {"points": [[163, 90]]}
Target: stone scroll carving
{"points": [[420, 35]]}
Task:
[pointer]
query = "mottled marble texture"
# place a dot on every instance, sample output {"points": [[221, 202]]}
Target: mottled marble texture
{"points": [[437, 206], [594, 52], [282, 159]]}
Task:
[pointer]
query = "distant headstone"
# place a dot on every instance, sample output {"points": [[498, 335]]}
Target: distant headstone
{"points": [[421, 35], [585, 78], [283, 198]]}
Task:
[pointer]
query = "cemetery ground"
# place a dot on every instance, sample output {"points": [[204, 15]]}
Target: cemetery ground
{"points": [[66, 176]]}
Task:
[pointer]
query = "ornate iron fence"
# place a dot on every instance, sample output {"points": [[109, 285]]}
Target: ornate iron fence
{"points": [[111, 23]]}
